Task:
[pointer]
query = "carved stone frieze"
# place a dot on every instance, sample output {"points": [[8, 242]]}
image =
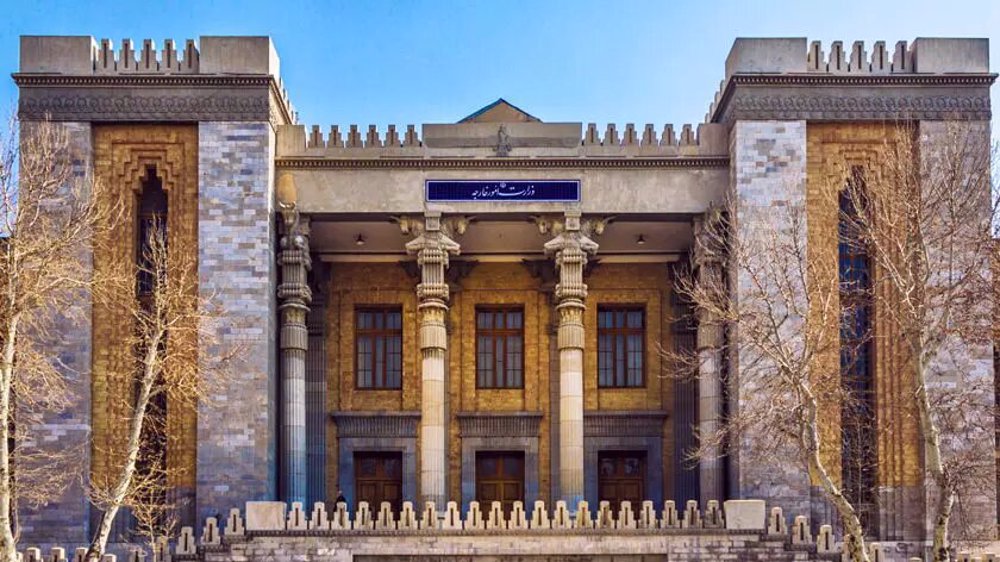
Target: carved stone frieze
{"points": [[506, 424], [145, 99], [624, 423], [839, 98], [376, 424]]}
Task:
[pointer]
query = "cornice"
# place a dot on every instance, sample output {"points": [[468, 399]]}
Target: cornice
{"points": [[152, 80], [309, 163], [819, 79], [887, 97], [146, 97]]}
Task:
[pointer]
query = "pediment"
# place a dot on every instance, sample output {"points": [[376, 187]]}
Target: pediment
{"points": [[501, 111]]}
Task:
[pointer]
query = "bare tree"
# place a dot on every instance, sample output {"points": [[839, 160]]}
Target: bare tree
{"points": [[924, 231], [49, 211], [157, 300], [928, 229], [780, 337]]}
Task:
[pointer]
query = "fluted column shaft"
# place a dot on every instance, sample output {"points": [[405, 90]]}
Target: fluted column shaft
{"points": [[571, 249], [295, 296], [433, 249], [709, 347]]}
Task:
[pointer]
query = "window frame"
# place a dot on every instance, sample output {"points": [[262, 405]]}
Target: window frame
{"points": [[857, 357], [624, 331], [374, 333], [498, 334]]}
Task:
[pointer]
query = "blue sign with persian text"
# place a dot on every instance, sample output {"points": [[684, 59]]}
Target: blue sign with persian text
{"points": [[503, 190]]}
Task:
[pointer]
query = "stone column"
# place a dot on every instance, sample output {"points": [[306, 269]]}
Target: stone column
{"points": [[432, 248], [709, 347], [295, 296], [571, 248]]}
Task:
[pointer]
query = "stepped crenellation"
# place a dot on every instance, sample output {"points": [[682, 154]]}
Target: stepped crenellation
{"points": [[148, 60], [692, 140], [277, 519], [858, 60], [780, 74]]}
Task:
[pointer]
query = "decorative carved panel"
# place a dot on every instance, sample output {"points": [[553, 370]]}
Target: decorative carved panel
{"points": [[377, 424], [489, 424], [122, 155], [619, 423]]}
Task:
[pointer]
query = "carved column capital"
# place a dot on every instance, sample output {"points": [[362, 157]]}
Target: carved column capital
{"points": [[709, 237], [433, 249], [295, 261], [571, 249]]}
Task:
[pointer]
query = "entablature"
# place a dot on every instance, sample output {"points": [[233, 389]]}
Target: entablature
{"points": [[780, 78], [70, 78]]}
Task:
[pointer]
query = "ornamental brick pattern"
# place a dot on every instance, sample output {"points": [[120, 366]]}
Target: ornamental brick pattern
{"points": [[832, 150], [122, 156], [237, 271]]}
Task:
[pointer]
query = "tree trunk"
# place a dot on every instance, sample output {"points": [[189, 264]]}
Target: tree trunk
{"points": [[857, 551], [121, 489], [8, 545], [941, 546]]}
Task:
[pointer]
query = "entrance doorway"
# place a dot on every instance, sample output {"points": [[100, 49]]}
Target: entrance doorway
{"points": [[378, 477], [622, 477], [500, 478]]}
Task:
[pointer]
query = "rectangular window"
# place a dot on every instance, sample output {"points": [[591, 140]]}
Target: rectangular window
{"points": [[621, 347], [378, 340], [499, 347]]}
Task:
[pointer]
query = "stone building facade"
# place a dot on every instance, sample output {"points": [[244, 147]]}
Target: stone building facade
{"points": [[471, 311]]}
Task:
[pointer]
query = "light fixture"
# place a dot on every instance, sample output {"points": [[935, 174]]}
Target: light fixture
{"points": [[359, 240], [640, 240]]}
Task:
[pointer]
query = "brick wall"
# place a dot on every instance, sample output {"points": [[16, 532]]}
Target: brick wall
{"points": [[832, 150], [236, 266], [354, 284]]}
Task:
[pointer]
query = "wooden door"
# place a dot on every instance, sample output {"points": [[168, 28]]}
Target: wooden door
{"points": [[622, 477], [499, 477], [378, 477]]}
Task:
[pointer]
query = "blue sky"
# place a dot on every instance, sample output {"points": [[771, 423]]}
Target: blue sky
{"points": [[402, 62]]}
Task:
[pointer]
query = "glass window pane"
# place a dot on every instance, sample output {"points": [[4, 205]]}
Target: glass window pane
{"points": [[379, 362], [514, 320], [619, 379], [484, 320], [635, 319], [498, 371]]}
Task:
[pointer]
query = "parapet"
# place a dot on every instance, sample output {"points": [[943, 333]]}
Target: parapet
{"points": [[727, 526], [82, 55], [507, 139], [215, 79], [792, 55], [792, 79]]}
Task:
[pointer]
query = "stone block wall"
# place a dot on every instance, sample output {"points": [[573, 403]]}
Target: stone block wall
{"points": [[66, 432], [960, 372], [237, 272], [768, 168]]}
